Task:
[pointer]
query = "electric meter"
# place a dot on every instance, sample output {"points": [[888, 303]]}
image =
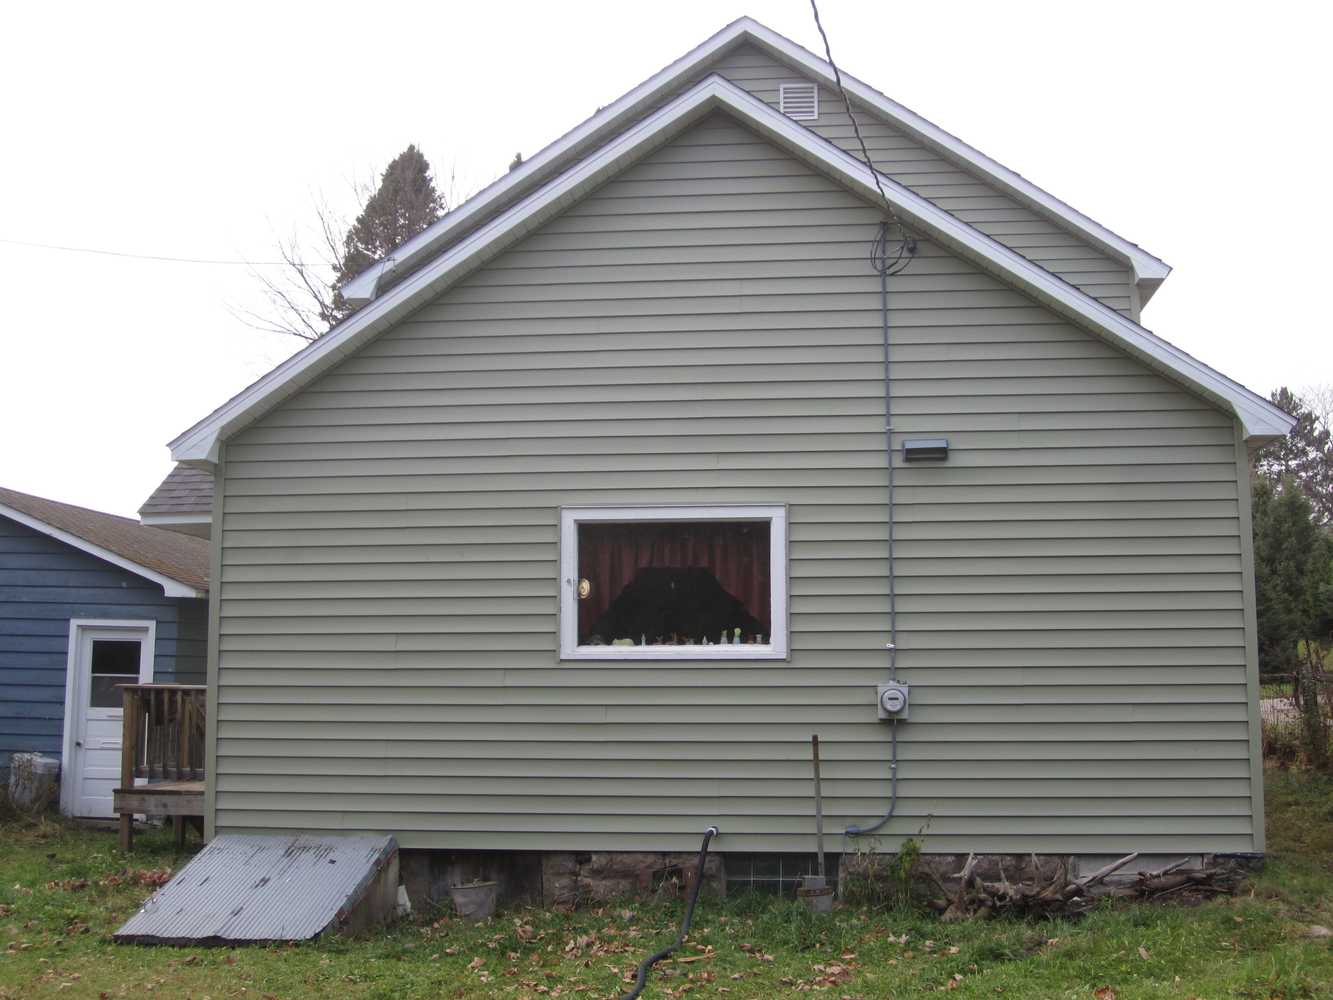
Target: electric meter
{"points": [[893, 701]]}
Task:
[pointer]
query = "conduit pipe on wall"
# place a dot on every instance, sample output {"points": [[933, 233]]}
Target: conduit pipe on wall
{"points": [[888, 262]]}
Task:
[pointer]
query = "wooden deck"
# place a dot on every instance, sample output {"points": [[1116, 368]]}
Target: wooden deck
{"points": [[162, 752]]}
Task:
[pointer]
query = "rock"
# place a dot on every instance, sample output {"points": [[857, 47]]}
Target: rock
{"points": [[1318, 931]]}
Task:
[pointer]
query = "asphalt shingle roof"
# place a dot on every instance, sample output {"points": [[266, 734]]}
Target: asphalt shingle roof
{"points": [[184, 491], [181, 557]]}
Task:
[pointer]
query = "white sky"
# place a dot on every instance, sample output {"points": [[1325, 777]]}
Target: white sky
{"points": [[1199, 131]]}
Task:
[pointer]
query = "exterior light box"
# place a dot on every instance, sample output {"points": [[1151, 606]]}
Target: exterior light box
{"points": [[926, 450]]}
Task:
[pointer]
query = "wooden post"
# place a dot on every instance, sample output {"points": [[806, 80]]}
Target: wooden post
{"points": [[129, 746], [182, 737], [819, 805]]}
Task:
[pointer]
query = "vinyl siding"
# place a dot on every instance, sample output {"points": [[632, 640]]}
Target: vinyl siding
{"points": [[1070, 582], [43, 584], [942, 182]]}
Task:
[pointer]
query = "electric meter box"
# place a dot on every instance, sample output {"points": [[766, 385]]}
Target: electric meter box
{"points": [[893, 701]]}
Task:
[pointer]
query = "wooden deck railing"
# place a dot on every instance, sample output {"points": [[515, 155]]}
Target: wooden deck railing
{"points": [[163, 735]]}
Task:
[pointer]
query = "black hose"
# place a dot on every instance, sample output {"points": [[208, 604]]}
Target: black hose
{"points": [[642, 979]]}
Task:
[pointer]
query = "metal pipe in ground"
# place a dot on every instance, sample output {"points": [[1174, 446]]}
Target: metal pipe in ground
{"points": [[815, 892], [819, 805]]}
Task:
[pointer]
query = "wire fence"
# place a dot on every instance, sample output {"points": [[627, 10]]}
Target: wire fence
{"points": [[1282, 712]]}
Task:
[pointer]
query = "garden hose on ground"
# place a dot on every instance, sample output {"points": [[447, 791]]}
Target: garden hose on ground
{"points": [[642, 979]]}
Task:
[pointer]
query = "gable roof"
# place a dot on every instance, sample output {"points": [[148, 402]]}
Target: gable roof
{"points": [[1259, 418], [182, 502], [178, 563], [185, 491], [1149, 271]]}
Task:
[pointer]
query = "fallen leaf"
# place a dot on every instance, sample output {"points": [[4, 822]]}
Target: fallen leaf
{"points": [[1103, 993], [1143, 953]]}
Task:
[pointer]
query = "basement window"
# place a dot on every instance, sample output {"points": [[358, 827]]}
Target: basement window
{"points": [[667, 583]]}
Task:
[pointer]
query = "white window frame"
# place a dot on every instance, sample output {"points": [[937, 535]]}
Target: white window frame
{"points": [[800, 85], [570, 519]]}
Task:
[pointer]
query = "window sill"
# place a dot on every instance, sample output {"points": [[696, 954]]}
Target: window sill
{"points": [[718, 652]]}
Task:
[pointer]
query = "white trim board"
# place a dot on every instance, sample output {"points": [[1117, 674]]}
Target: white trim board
{"points": [[170, 587], [1259, 418], [1149, 271], [774, 514], [194, 525], [147, 665]]}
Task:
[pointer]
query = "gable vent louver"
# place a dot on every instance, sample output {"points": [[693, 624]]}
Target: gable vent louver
{"points": [[799, 101]]}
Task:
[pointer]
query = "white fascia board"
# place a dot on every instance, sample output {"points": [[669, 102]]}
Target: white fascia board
{"points": [[200, 442], [1149, 271], [1147, 268], [1258, 416], [154, 520], [364, 287], [170, 587], [194, 525]]}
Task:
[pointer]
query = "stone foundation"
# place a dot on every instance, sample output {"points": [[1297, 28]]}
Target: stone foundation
{"points": [[556, 879], [427, 875], [571, 879], [566, 879]]}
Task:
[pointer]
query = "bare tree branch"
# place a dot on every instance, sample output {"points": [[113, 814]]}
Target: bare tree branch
{"points": [[303, 293]]}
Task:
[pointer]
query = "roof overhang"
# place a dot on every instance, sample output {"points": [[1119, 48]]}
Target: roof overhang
{"points": [[1258, 417], [1149, 271], [198, 525], [170, 587]]}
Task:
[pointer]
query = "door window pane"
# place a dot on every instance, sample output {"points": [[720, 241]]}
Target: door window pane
{"points": [[115, 661]]}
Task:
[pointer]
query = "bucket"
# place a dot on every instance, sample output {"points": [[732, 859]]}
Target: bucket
{"points": [[815, 895], [474, 901]]}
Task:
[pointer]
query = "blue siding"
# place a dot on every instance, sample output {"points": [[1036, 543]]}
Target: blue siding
{"points": [[43, 584]]}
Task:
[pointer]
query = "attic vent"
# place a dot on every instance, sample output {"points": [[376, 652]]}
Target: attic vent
{"points": [[799, 100]]}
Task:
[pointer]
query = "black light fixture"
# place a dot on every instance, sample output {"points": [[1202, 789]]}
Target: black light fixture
{"points": [[926, 450]]}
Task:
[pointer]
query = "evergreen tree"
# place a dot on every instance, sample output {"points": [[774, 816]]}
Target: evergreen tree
{"points": [[1306, 454], [304, 296], [1293, 571], [404, 204]]}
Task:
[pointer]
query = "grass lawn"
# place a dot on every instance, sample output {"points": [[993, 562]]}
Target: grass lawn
{"points": [[64, 889]]}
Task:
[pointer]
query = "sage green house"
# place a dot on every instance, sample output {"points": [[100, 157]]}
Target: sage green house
{"points": [[474, 546]]}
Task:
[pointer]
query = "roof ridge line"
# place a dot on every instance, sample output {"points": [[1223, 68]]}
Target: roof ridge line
{"points": [[1148, 269]]}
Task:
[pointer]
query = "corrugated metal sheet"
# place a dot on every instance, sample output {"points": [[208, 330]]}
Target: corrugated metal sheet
{"points": [[243, 888]]}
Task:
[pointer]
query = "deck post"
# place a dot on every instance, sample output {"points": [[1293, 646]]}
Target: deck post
{"points": [[129, 747]]}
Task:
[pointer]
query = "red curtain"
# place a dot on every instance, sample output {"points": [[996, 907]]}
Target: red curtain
{"points": [[736, 552]]}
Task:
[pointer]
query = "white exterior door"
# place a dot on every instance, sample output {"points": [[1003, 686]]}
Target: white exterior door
{"points": [[102, 654]]}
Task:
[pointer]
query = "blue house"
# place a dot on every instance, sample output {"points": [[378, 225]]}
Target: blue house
{"points": [[87, 601]]}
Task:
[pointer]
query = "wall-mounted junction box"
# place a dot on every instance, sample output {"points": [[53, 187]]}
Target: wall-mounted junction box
{"points": [[893, 701], [926, 450]]}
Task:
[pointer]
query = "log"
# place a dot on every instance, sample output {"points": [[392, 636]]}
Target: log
{"points": [[1165, 871], [1110, 869], [1059, 895]]}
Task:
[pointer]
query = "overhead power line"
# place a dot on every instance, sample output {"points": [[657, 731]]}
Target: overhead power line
{"points": [[163, 258], [847, 101]]}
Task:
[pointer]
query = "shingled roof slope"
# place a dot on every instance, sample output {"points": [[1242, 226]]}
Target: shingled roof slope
{"points": [[167, 553], [186, 490]]}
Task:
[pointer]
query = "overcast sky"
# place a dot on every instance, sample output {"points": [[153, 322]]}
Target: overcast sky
{"points": [[1199, 131]]}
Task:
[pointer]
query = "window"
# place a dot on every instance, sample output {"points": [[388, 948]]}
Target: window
{"points": [[114, 661], [799, 100], [663, 583]]}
